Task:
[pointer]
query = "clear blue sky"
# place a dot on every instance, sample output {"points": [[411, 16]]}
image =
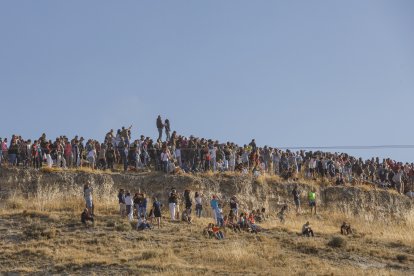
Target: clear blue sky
{"points": [[289, 73]]}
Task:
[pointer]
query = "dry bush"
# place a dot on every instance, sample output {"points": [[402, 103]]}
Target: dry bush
{"points": [[401, 258], [337, 242], [38, 231]]}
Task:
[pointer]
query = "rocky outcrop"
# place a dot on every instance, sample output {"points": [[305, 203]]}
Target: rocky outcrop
{"points": [[251, 192]]}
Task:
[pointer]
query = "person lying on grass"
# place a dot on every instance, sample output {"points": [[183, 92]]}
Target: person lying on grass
{"points": [[143, 224]]}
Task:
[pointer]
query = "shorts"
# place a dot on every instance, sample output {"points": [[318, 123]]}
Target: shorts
{"points": [[297, 202], [312, 203]]}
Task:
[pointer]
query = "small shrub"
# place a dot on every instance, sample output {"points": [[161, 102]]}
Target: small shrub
{"points": [[38, 231], [401, 258], [149, 255], [337, 242], [123, 227], [111, 224]]}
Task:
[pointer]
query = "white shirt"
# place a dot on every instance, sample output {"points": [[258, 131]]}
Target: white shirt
{"points": [[129, 200], [164, 156], [198, 200]]}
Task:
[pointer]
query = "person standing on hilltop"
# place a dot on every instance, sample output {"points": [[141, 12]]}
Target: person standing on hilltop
{"points": [[167, 129], [160, 126], [312, 200]]}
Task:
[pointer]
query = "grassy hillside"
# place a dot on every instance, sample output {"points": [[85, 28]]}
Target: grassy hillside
{"points": [[46, 236]]}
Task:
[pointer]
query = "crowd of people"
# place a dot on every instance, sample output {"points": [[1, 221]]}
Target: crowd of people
{"points": [[135, 206], [173, 153]]}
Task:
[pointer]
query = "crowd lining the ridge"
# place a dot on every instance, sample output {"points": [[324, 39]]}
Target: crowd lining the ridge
{"points": [[177, 153]]}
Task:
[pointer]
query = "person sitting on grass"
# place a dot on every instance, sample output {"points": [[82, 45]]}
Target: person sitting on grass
{"points": [[217, 232], [230, 222], [143, 224], [85, 216], [208, 231], [186, 216], [243, 221], [254, 228], [307, 230], [346, 229]]}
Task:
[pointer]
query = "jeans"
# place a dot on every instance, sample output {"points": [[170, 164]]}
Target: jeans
{"points": [[213, 163], [142, 211], [12, 158], [172, 210], [160, 133], [199, 210], [165, 166]]}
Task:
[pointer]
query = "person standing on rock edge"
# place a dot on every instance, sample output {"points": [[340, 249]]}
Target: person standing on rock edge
{"points": [[312, 200], [87, 193], [296, 199], [167, 129], [160, 126], [172, 202]]}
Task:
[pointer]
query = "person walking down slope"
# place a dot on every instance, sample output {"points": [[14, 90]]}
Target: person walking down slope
{"points": [[160, 126]]}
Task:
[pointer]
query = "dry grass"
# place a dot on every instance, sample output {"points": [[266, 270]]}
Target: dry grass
{"points": [[44, 235]]}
